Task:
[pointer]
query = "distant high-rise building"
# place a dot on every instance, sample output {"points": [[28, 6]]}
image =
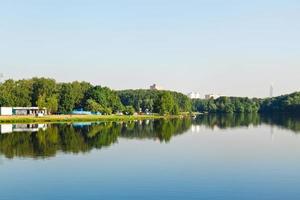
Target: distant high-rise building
{"points": [[155, 87], [194, 95], [1, 76], [271, 91]]}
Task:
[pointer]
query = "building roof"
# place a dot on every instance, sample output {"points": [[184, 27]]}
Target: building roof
{"points": [[28, 108]]}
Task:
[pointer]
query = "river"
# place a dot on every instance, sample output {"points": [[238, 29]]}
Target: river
{"points": [[210, 157]]}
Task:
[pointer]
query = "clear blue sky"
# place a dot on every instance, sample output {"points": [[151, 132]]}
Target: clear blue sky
{"points": [[231, 47]]}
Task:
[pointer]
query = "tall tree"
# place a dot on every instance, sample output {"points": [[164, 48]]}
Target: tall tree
{"points": [[66, 98], [165, 104], [43, 87]]}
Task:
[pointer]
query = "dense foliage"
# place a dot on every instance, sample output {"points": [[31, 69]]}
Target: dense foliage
{"points": [[227, 105], [163, 102], [65, 97], [43, 92], [285, 103]]}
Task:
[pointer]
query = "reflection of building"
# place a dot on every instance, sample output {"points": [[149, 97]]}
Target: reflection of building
{"points": [[194, 95], [9, 128], [155, 87], [82, 124], [22, 111], [6, 128], [212, 96], [195, 128]]}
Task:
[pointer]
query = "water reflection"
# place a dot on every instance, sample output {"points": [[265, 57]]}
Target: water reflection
{"points": [[75, 138], [9, 128], [40, 140], [225, 121]]}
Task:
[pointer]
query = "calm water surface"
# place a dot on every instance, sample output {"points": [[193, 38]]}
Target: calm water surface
{"points": [[211, 157]]}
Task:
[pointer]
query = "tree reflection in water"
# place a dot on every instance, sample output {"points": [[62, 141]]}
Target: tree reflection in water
{"points": [[224, 121], [70, 138], [76, 138]]}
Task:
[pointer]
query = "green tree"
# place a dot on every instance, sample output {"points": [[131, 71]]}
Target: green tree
{"points": [[128, 110], [22, 93], [93, 106], [51, 103], [66, 98], [105, 97], [165, 104], [43, 87], [175, 110], [79, 90], [6, 93]]}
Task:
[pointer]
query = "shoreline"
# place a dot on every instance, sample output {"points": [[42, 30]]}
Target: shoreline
{"points": [[80, 118]]}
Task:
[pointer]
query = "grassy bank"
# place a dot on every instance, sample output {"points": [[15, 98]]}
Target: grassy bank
{"points": [[78, 118]]}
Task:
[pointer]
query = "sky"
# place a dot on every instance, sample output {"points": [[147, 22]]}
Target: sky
{"points": [[227, 47]]}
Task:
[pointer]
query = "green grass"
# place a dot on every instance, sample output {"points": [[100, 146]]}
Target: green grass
{"points": [[79, 118]]}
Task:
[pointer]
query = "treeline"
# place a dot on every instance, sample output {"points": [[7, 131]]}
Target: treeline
{"points": [[283, 104], [227, 105], [65, 97]]}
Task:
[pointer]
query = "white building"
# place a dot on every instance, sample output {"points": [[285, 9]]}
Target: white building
{"points": [[194, 95], [212, 96], [8, 111]]}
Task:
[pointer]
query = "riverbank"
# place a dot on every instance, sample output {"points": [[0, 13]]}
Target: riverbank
{"points": [[80, 118]]}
